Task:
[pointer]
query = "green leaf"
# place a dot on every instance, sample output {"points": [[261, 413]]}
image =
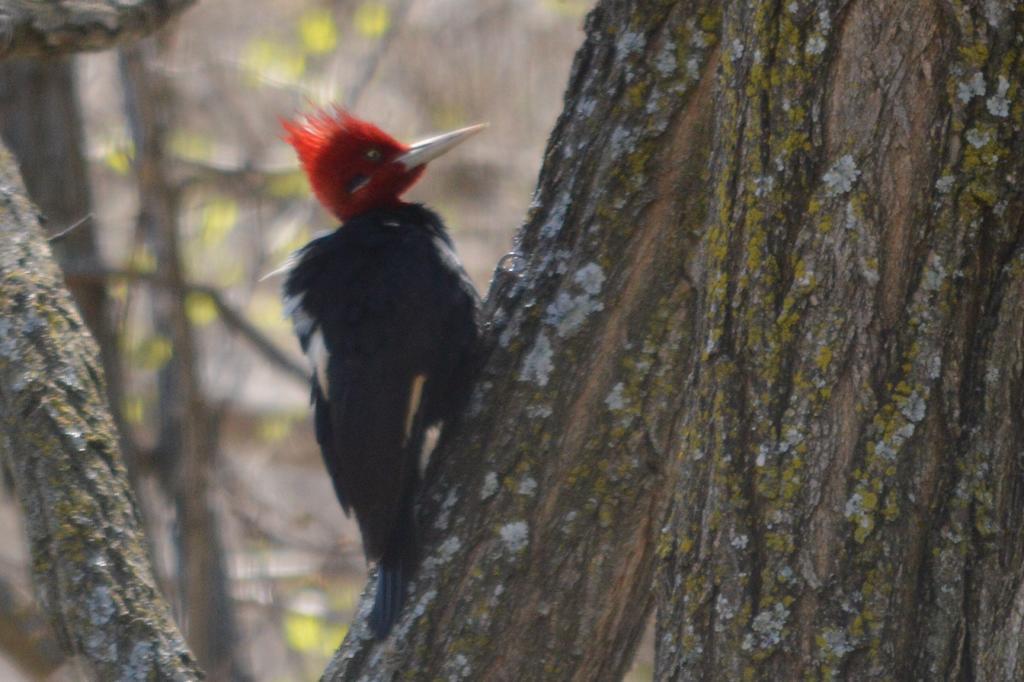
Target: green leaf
{"points": [[334, 635], [303, 632], [219, 217], [154, 352], [118, 291], [318, 31], [200, 308], [189, 145], [274, 61], [118, 160], [143, 260], [372, 19], [312, 635], [288, 185], [275, 428], [134, 409]]}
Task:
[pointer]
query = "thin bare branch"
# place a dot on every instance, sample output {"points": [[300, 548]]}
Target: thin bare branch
{"points": [[373, 60], [69, 229], [244, 178], [233, 319]]}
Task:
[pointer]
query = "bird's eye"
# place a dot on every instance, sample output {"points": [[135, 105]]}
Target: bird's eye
{"points": [[373, 155]]}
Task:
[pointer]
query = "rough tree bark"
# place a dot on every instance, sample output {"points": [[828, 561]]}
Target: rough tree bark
{"points": [[46, 28], [780, 357], [92, 574], [41, 123], [765, 335], [541, 522], [851, 497]]}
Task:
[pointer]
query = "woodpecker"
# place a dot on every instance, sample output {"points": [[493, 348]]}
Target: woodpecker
{"points": [[389, 321]]}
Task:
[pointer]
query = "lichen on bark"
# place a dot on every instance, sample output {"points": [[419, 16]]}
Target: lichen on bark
{"points": [[857, 388], [543, 507], [89, 561]]}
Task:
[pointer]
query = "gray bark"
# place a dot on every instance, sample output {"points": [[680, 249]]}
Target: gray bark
{"points": [[38, 28], [41, 123], [541, 521], [89, 562], [849, 501], [90, 567], [781, 357]]}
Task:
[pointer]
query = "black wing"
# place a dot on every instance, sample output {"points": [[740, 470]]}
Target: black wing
{"points": [[388, 318]]}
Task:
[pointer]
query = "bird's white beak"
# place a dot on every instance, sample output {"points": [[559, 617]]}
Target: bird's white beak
{"points": [[429, 149]]}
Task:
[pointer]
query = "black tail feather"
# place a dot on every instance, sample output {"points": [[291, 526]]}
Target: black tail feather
{"points": [[389, 601], [394, 572]]}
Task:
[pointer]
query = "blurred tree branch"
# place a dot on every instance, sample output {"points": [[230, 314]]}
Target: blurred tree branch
{"points": [[188, 434], [370, 65], [232, 318], [37, 28], [89, 560], [244, 179]]}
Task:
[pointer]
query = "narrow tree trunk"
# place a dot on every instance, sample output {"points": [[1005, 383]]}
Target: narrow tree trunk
{"points": [[187, 441], [849, 499]]}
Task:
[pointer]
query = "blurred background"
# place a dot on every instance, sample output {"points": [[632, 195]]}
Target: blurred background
{"points": [[166, 160]]}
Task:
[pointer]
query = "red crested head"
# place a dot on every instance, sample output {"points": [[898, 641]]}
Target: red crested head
{"points": [[354, 166], [349, 162]]}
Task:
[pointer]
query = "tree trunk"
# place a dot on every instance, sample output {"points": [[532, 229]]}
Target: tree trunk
{"points": [[764, 330], [41, 123], [764, 335], [849, 496], [92, 574], [90, 567], [541, 521], [187, 440]]}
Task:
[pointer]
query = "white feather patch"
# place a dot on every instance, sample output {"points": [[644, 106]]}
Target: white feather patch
{"points": [[281, 269], [318, 357], [301, 320]]}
